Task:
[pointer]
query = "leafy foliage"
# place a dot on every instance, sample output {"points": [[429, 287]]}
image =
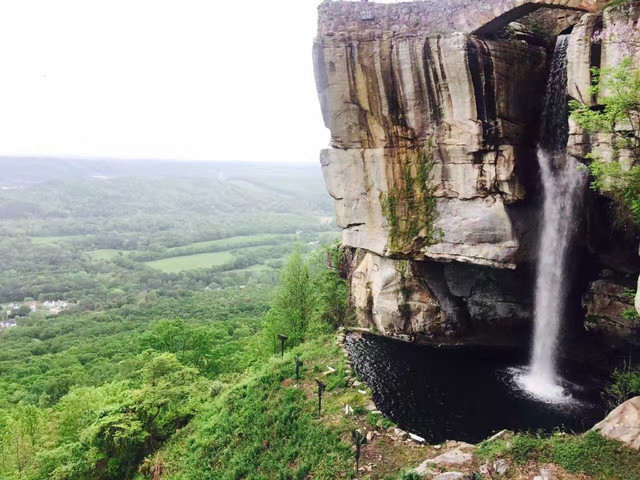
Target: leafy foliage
{"points": [[624, 384], [619, 92], [310, 298]]}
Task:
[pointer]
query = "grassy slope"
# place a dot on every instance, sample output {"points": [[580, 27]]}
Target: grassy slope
{"points": [[266, 427]]}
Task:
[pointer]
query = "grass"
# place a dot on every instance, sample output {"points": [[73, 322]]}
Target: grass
{"points": [[264, 427], [103, 254], [54, 239], [236, 242], [192, 262], [588, 454]]}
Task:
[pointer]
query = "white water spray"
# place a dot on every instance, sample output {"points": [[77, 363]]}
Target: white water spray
{"points": [[563, 183]]}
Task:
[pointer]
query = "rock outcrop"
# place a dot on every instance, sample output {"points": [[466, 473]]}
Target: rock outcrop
{"points": [[623, 424], [604, 40], [610, 308], [434, 110]]}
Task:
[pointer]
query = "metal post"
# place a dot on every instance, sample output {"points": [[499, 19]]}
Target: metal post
{"points": [[282, 338], [298, 365], [321, 388]]}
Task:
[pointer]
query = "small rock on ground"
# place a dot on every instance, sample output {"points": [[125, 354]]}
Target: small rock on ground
{"points": [[401, 434], [501, 466], [545, 474], [450, 476]]}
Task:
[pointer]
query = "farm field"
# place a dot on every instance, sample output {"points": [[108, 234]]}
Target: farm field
{"points": [[55, 239], [192, 262], [103, 254], [236, 242]]}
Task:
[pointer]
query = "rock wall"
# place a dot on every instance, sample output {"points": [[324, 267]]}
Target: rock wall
{"points": [[433, 162], [470, 105], [434, 17], [604, 40]]}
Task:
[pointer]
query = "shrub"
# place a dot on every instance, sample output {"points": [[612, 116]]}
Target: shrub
{"points": [[625, 383], [410, 476]]}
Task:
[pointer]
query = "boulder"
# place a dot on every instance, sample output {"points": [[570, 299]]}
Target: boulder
{"points": [[623, 424]]}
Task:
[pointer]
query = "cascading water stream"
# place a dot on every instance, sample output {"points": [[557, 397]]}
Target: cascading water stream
{"points": [[563, 182]]}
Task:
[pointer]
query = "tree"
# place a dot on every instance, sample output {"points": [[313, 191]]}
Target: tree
{"points": [[619, 94], [20, 434], [332, 290], [619, 90], [294, 304]]}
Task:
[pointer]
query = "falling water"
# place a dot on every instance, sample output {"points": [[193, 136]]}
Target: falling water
{"points": [[563, 182]]}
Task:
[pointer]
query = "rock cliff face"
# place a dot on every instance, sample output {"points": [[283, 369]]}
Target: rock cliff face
{"points": [[604, 40], [433, 167]]}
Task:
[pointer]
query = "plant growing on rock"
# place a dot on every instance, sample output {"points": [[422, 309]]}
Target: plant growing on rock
{"points": [[410, 205], [619, 116]]}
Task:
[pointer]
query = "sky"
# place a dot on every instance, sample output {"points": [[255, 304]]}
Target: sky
{"points": [[181, 79]]}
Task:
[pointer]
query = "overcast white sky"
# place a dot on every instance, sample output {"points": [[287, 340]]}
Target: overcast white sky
{"points": [[183, 79]]}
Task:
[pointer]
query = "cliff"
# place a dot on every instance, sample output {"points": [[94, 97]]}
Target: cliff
{"points": [[434, 109]]}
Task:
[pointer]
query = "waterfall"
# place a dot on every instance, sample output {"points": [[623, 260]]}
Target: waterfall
{"points": [[563, 183]]}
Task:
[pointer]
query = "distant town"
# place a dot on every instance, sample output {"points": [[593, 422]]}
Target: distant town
{"points": [[11, 312]]}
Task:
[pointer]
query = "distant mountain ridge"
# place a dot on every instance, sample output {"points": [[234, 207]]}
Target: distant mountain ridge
{"points": [[28, 170]]}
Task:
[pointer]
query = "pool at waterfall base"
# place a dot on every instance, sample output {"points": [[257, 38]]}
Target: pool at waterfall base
{"points": [[467, 393]]}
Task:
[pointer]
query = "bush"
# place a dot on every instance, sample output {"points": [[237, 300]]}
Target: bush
{"points": [[374, 418], [625, 383], [410, 476]]}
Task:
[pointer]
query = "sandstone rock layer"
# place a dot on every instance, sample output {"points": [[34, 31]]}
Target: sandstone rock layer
{"points": [[434, 110]]}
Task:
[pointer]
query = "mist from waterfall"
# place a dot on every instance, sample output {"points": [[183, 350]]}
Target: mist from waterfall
{"points": [[563, 182]]}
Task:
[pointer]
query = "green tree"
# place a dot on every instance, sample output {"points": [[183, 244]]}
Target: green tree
{"points": [[294, 304], [332, 291], [20, 438], [618, 90]]}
